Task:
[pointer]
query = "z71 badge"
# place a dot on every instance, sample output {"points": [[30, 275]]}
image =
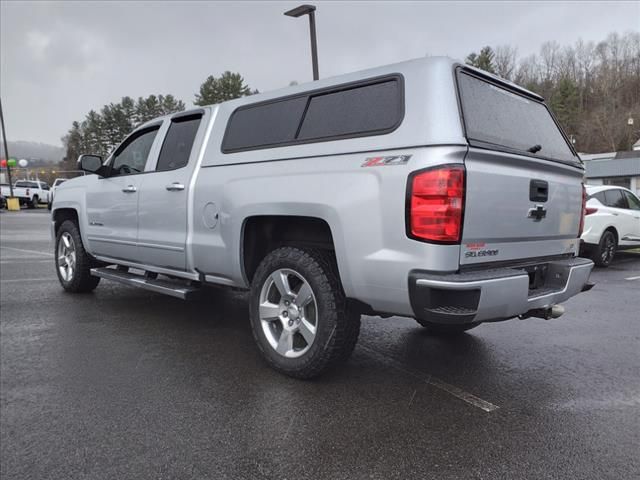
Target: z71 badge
{"points": [[386, 161]]}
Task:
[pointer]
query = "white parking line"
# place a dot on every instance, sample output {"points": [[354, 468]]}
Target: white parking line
{"points": [[29, 251], [26, 260], [633, 278], [435, 382], [18, 280]]}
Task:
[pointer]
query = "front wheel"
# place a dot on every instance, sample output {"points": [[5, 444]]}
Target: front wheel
{"points": [[602, 255], [73, 263], [299, 313]]}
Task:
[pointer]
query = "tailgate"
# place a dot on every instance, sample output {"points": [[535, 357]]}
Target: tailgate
{"points": [[519, 208], [524, 180]]}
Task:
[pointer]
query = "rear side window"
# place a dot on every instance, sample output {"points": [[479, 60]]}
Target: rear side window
{"points": [[600, 197], [264, 125], [178, 143], [357, 110], [632, 200], [372, 108], [495, 117], [614, 198]]}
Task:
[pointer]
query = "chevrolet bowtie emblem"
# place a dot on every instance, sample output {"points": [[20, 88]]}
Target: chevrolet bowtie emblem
{"points": [[537, 213]]}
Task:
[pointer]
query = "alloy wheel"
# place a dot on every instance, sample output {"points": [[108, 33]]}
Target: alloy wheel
{"points": [[288, 313], [66, 257]]}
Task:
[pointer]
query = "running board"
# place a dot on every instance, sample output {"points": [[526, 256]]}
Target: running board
{"points": [[173, 288]]}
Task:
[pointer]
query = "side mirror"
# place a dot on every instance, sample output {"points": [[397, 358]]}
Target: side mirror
{"points": [[90, 163]]}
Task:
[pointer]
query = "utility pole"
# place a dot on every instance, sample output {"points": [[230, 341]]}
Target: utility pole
{"points": [[6, 150]]}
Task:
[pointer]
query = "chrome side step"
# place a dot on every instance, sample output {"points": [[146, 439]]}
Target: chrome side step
{"points": [[173, 288]]}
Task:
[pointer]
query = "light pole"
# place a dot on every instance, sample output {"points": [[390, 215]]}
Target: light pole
{"points": [[308, 10]]}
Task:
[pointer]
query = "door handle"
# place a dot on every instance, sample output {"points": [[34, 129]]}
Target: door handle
{"points": [[130, 189], [175, 187]]}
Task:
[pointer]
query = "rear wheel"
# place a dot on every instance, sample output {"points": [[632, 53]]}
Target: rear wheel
{"points": [[446, 329], [34, 202], [73, 263], [299, 314], [602, 255]]}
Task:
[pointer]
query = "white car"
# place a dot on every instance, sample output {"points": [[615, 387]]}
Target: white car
{"points": [[612, 221]]}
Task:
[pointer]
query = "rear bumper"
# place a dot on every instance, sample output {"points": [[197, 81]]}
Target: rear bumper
{"points": [[497, 294]]}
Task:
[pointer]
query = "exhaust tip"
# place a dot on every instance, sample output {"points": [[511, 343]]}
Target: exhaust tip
{"points": [[556, 311], [548, 313]]}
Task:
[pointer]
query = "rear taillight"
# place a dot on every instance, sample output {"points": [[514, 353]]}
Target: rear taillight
{"points": [[590, 210], [583, 212], [435, 204]]}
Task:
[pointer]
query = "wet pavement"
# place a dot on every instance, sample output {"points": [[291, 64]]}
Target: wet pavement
{"points": [[124, 383]]}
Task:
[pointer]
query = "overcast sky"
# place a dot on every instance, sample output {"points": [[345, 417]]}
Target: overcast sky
{"points": [[59, 60]]}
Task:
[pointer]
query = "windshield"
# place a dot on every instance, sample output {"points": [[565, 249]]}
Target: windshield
{"points": [[497, 117]]}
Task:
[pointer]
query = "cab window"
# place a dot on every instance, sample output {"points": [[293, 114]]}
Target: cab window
{"points": [[178, 143], [132, 156]]}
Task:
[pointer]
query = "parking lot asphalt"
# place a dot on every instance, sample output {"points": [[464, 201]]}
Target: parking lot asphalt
{"points": [[125, 383]]}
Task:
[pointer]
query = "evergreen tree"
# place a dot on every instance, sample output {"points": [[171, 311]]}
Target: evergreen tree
{"points": [[100, 133], [169, 104], [227, 87], [564, 103], [73, 143], [483, 60]]}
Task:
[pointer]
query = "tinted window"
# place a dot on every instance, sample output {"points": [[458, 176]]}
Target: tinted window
{"points": [[178, 143], [496, 116], [364, 109], [264, 125], [132, 157], [334, 113], [600, 197], [614, 198], [632, 200], [26, 184]]}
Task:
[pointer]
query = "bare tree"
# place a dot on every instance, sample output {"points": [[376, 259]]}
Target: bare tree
{"points": [[505, 61]]}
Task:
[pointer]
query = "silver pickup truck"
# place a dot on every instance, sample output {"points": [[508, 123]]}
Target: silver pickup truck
{"points": [[425, 189]]}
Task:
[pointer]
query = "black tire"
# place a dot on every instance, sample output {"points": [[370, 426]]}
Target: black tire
{"points": [[449, 330], [602, 254], [34, 202], [337, 327], [81, 281]]}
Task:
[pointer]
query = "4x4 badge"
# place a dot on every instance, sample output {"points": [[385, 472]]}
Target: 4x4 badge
{"points": [[537, 213]]}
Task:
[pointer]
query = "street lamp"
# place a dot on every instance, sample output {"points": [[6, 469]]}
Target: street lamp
{"points": [[308, 10]]}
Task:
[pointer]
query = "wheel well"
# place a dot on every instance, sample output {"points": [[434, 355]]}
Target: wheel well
{"points": [[63, 214], [614, 231], [263, 234]]}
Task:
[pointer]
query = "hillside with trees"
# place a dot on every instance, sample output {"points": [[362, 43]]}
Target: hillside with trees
{"points": [[593, 89]]}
